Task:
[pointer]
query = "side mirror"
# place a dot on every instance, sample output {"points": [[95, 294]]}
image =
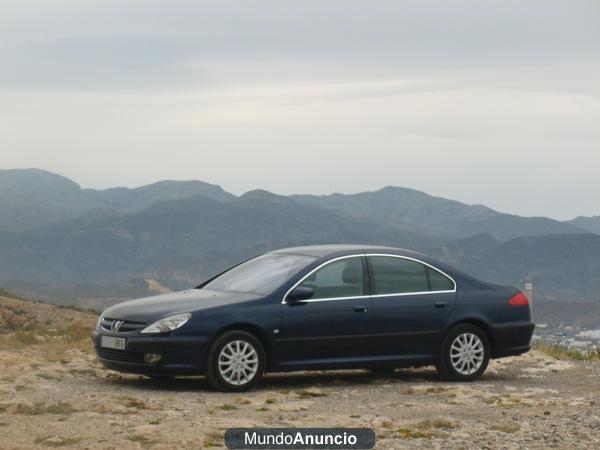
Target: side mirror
{"points": [[299, 294]]}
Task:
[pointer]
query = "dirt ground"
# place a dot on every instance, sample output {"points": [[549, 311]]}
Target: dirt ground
{"points": [[57, 395]]}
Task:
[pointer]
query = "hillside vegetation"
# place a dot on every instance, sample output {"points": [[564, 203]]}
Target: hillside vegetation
{"points": [[24, 323]]}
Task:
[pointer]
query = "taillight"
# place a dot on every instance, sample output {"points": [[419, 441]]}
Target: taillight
{"points": [[518, 300]]}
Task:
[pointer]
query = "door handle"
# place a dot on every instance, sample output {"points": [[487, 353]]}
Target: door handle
{"points": [[359, 309], [440, 304]]}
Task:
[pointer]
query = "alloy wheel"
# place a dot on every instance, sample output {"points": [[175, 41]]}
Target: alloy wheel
{"points": [[238, 362], [467, 353]]}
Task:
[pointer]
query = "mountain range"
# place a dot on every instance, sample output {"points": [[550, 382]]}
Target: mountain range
{"points": [[60, 241]]}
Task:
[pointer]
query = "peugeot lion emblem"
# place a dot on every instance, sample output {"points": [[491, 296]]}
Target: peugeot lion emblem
{"points": [[116, 325]]}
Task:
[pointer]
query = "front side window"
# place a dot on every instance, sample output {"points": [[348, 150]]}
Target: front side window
{"points": [[342, 278]]}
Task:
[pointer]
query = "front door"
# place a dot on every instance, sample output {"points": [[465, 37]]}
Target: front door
{"points": [[412, 302], [330, 328]]}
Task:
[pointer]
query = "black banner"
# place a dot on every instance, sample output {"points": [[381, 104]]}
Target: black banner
{"points": [[299, 438]]}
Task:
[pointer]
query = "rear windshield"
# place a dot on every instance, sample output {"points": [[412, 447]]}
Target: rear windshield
{"points": [[261, 275]]}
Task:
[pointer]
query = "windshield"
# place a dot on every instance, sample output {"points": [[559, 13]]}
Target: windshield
{"points": [[261, 275]]}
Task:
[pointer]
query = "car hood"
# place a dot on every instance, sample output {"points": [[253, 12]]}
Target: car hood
{"points": [[149, 309]]}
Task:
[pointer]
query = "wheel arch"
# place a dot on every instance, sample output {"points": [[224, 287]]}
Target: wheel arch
{"points": [[254, 330]]}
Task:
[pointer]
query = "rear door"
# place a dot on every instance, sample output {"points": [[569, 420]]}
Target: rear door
{"points": [[331, 327], [411, 304]]}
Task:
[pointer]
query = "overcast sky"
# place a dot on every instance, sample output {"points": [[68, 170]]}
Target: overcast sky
{"points": [[481, 101]]}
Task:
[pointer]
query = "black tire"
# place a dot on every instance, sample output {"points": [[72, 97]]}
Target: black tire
{"points": [[214, 375], [447, 370]]}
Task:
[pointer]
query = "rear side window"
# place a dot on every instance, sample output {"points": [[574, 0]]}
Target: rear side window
{"points": [[398, 275], [439, 281], [403, 276], [342, 278]]}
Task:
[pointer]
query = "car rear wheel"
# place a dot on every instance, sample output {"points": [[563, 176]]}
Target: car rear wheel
{"points": [[236, 362], [465, 354]]}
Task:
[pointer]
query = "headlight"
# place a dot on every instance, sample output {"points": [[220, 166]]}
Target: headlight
{"points": [[99, 323], [167, 324]]}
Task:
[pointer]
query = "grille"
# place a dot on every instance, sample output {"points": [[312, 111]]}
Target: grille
{"points": [[125, 327], [120, 355]]}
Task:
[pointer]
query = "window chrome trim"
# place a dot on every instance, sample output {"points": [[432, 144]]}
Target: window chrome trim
{"points": [[332, 299], [400, 294]]}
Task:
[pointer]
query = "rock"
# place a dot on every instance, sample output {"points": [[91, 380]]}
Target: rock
{"points": [[381, 422], [313, 392], [299, 405], [145, 430], [54, 441]]}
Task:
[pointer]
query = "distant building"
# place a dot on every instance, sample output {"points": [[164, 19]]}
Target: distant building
{"points": [[590, 334], [529, 289]]}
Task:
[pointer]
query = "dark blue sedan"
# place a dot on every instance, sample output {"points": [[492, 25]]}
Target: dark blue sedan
{"points": [[316, 308]]}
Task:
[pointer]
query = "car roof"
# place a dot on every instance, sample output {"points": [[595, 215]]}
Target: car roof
{"points": [[322, 251]]}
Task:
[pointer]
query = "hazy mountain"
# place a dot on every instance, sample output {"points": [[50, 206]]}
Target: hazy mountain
{"points": [[591, 224], [407, 209], [105, 243], [88, 296], [32, 198], [567, 265], [124, 199], [177, 242]]}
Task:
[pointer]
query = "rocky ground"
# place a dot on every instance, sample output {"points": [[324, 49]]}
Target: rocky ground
{"points": [[54, 394]]}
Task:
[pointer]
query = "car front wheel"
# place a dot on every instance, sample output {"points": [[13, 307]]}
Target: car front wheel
{"points": [[236, 362], [465, 354]]}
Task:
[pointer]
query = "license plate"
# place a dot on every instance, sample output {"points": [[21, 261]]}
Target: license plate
{"points": [[113, 342]]}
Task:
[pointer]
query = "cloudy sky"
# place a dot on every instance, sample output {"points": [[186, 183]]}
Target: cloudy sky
{"points": [[494, 102]]}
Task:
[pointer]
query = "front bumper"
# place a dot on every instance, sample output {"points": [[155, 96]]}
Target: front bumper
{"points": [[513, 338], [180, 355]]}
